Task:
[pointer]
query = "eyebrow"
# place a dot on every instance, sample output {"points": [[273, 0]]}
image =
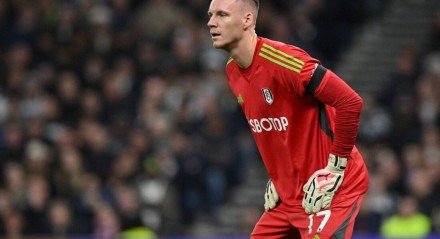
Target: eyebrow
{"points": [[216, 11]]}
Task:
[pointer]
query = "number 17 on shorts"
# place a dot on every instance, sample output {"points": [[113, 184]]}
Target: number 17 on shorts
{"points": [[326, 216], [333, 223]]}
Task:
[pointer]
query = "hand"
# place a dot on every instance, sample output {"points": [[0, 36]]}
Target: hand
{"points": [[270, 196], [322, 185]]}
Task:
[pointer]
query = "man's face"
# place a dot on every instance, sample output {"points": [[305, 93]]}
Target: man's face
{"points": [[226, 19]]}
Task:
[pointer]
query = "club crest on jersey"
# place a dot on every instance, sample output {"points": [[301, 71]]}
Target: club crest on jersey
{"points": [[267, 95]]}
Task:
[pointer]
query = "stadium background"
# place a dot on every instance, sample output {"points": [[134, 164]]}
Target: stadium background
{"points": [[116, 119]]}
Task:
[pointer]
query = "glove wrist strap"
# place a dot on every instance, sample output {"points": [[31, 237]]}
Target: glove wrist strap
{"points": [[336, 163]]}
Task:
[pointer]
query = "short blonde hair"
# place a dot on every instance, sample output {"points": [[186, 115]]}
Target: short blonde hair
{"points": [[256, 5]]}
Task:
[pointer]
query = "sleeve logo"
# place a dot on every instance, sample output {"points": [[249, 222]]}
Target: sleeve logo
{"points": [[267, 95]]}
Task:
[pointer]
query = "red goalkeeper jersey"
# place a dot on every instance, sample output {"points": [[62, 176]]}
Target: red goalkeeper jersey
{"points": [[298, 113]]}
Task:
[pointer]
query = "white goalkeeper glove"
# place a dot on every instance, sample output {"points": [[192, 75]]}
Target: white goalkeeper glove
{"points": [[270, 196], [322, 185]]}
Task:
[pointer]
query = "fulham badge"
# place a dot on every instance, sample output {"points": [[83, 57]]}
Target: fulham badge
{"points": [[267, 95]]}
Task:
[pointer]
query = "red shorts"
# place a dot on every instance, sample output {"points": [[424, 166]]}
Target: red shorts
{"points": [[284, 222]]}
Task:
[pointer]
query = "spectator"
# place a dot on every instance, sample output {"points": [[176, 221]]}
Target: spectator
{"points": [[60, 219], [408, 222], [14, 225], [37, 195], [376, 122], [106, 221]]}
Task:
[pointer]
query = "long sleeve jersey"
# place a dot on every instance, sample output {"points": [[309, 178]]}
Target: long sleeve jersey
{"points": [[298, 112]]}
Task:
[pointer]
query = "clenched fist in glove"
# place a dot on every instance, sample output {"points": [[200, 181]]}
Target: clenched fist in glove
{"points": [[270, 196], [322, 185]]}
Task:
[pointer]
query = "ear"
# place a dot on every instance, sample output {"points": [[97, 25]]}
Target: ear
{"points": [[248, 20]]}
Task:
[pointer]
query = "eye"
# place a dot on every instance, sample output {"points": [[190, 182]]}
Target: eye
{"points": [[222, 14]]}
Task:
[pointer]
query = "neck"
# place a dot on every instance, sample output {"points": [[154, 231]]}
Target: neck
{"points": [[244, 51]]}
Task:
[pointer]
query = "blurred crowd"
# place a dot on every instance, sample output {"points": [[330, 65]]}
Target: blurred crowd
{"points": [[400, 138], [116, 118]]}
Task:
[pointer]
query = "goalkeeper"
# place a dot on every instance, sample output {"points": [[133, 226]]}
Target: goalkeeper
{"points": [[304, 120]]}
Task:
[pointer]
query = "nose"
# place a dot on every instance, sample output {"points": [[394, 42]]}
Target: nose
{"points": [[211, 22]]}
